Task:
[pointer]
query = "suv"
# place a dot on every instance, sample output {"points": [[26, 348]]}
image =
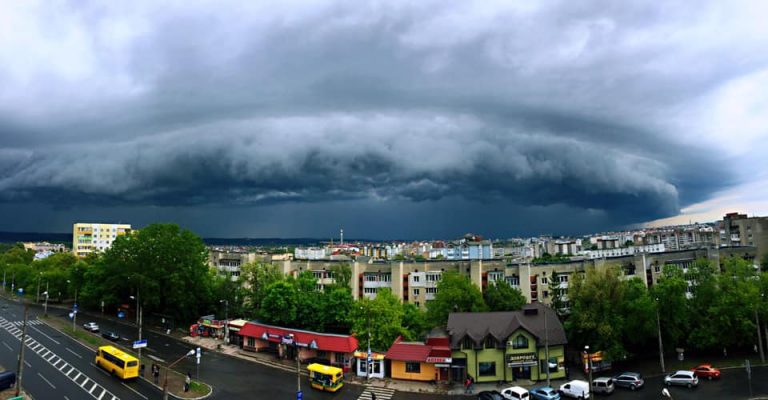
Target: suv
{"points": [[682, 378], [602, 385], [91, 327], [629, 380]]}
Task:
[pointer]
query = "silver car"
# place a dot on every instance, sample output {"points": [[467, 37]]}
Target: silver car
{"points": [[602, 385], [682, 378]]}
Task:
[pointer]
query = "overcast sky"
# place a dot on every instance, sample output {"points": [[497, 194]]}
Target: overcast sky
{"points": [[391, 119]]}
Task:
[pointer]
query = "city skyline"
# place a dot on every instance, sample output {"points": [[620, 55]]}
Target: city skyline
{"points": [[388, 119]]}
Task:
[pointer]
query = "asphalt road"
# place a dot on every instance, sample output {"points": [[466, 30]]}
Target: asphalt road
{"points": [[47, 377]]}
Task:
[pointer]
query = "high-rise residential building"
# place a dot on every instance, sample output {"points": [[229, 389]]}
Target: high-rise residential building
{"points": [[90, 238], [740, 230]]}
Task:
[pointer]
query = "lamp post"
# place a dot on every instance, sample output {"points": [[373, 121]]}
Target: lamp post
{"points": [[759, 336], [661, 344], [226, 320], [369, 355], [39, 277], [45, 307], [139, 322], [167, 369], [589, 366], [546, 346], [74, 309]]}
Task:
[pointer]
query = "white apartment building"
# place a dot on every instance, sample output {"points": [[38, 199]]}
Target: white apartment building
{"points": [[89, 238]]}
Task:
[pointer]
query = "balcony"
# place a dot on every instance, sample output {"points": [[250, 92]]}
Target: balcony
{"points": [[377, 284]]}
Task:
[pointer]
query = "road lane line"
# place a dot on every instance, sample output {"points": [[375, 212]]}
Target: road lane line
{"points": [[66, 398], [46, 380], [6, 345], [43, 333], [134, 390], [70, 350], [27, 364]]}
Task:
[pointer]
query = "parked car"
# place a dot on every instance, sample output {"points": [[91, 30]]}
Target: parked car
{"points": [[490, 395], [544, 393], [91, 326], [682, 378], [629, 380], [575, 389], [707, 371], [515, 393], [111, 336], [7, 380], [602, 385]]}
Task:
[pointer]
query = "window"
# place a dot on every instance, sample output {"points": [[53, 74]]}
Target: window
{"points": [[490, 342], [552, 364], [433, 277], [416, 278], [487, 369], [385, 278], [520, 342], [545, 294], [415, 292], [544, 280], [370, 278], [513, 280], [562, 278], [413, 367], [467, 343], [431, 290], [251, 342]]}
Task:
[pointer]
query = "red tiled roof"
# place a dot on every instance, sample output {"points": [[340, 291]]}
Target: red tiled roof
{"points": [[320, 341], [408, 351]]}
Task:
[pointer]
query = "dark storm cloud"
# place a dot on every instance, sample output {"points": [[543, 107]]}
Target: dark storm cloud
{"points": [[556, 104]]}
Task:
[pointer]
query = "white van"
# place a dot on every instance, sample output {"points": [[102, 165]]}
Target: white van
{"points": [[515, 393], [576, 389]]}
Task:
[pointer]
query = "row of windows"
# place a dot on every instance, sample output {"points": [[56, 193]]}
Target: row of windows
{"points": [[378, 277], [518, 342]]}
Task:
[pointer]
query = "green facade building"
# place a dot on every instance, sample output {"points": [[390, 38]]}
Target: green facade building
{"points": [[507, 346]]}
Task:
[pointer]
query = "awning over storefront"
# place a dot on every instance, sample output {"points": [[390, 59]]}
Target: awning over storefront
{"points": [[300, 338]]}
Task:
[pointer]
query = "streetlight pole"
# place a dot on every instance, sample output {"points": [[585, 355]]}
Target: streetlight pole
{"points": [[546, 345], [39, 277], [139, 321], [74, 309], [167, 369], [589, 366], [46, 300], [226, 320], [759, 336], [661, 344], [20, 366]]}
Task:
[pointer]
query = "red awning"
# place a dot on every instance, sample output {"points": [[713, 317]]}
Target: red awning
{"points": [[312, 340]]}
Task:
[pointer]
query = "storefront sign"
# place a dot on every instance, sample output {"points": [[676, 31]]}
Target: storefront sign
{"points": [[517, 360], [441, 360]]}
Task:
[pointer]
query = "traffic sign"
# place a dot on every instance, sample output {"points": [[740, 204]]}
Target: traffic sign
{"points": [[140, 344], [299, 395]]}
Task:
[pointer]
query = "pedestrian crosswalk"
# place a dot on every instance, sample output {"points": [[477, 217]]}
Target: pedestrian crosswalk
{"points": [[380, 393], [29, 322]]}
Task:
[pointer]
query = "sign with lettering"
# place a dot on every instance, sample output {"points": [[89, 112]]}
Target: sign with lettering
{"points": [[439, 360], [516, 360]]}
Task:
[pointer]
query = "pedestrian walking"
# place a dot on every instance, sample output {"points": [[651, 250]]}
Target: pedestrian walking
{"points": [[188, 381], [466, 386]]}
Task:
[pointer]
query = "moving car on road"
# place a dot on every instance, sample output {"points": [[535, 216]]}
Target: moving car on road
{"points": [[544, 393], [629, 380], [682, 378], [576, 389], [91, 327], [489, 395], [110, 336], [706, 371], [515, 393]]}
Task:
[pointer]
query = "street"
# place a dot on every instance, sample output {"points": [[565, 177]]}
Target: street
{"points": [[57, 367]]}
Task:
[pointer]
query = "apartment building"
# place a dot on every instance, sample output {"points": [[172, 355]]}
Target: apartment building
{"points": [[229, 262], [740, 230], [88, 238]]}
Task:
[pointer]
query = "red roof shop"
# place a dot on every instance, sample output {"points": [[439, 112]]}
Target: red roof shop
{"points": [[326, 348]]}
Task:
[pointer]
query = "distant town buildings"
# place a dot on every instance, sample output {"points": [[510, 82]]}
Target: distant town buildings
{"points": [[88, 238], [44, 249]]}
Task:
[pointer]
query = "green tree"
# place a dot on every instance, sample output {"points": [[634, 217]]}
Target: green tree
{"points": [[337, 305], [279, 304], [455, 293], [501, 296], [595, 317], [166, 265], [342, 275], [257, 277], [415, 322], [309, 307], [557, 295], [640, 311], [381, 317], [672, 303]]}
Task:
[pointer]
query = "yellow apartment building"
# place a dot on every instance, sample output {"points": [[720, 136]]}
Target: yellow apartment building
{"points": [[88, 238]]}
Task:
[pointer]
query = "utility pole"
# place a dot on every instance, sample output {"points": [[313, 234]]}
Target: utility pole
{"points": [[167, 370], [140, 360], [759, 337], [39, 277], [589, 366], [546, 345], [661, 345], [20, 366], [46, 300], [74, 313]]}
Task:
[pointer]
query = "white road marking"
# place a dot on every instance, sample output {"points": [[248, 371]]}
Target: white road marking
{"points": [[6, 345], [70, 350], [46, 380], [134, 390], [27, 364], [49, 338]]}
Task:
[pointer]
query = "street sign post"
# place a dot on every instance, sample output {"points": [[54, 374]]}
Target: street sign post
{"points": [[749, 375], [140, 344]]}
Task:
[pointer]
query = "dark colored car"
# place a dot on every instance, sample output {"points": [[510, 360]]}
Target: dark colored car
{"points": [[629, 380], [707, 371], [7, 380], [490, 395], [110, 336]]}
